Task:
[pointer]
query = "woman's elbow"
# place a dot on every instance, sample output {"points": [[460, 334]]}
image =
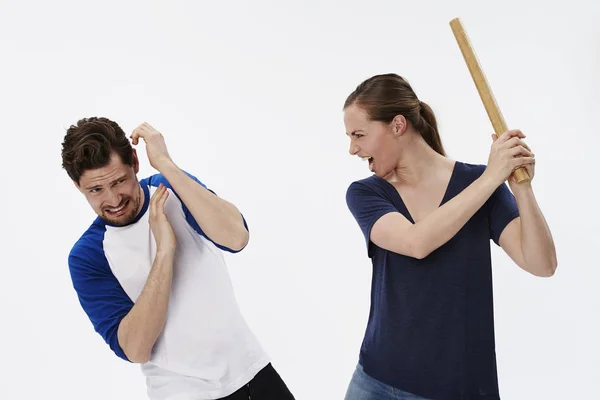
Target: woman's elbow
{"points": [[418, 249], [547, 270], [552, 267]]}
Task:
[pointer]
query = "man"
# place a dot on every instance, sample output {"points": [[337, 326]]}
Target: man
{"points": [[150, 274]]}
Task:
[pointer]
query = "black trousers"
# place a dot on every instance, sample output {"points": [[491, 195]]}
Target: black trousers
{"points": [[266, 385]]}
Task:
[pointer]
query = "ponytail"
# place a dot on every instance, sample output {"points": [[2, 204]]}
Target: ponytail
{"points": [[427, 125]]}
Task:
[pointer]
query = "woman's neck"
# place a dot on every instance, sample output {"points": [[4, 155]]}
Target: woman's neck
{"points": [[418, 162]]}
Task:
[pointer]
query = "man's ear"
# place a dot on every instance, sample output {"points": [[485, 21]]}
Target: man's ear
{"points": [[136, 162]]}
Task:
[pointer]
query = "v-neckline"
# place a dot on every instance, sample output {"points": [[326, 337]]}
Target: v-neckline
{"points": [[442, 201]]}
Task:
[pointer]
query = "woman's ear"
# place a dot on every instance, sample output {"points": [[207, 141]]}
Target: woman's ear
{"points": [[399, 125]]}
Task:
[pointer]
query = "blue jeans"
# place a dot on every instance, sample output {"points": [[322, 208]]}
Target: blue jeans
{"points": [[363, 387]]}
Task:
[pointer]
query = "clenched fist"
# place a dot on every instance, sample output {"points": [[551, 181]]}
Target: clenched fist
{"points": [[509, 152]]}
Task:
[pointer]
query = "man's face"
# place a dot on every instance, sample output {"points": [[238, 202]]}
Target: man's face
{"points": [[113, 191]]}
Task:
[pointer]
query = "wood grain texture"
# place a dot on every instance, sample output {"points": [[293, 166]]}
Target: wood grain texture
{"points": [[483, 88]]}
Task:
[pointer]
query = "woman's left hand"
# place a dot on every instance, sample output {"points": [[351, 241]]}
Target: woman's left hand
{"points": [[529, 167]]}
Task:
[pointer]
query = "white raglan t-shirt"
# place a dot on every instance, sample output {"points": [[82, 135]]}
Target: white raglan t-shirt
{"points": [[206, 350]]}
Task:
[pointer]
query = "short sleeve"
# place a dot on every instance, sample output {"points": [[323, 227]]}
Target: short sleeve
{"points": [[503, 209], [99, 292], [367, 207], [157, 179]]}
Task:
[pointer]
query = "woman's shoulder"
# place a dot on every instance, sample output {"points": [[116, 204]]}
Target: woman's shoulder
{"points": [[372, 182], [369, 187], [469, 170]]}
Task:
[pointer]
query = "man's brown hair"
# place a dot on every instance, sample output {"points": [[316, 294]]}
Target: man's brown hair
{"points": [[90, 143]]}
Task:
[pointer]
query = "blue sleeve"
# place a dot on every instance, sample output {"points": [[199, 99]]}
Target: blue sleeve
{"points": [[99, 292], [503, 209], [158, 179], [367, 207]]}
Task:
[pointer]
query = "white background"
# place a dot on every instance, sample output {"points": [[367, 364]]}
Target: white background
{"points": [[249, 97]]}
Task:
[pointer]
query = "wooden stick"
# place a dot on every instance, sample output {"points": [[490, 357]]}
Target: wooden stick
{"points": [[485, 92]]}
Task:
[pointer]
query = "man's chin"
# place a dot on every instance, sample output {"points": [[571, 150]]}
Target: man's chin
{"points": [[119, 221]]}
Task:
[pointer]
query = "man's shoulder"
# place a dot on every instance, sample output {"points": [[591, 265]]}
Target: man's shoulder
{"points": [[156, 179], [88, 249]]}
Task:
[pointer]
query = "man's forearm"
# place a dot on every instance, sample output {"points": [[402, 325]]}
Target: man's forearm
{"points": [[141, 327], [537, 245], [220, 220]]}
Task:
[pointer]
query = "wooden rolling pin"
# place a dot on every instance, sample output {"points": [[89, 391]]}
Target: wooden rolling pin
{"points": [[485, 92]]}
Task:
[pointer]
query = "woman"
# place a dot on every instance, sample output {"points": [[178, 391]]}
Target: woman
{"points": [[428, 222]]}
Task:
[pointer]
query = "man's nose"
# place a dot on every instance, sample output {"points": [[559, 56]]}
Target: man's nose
{"points": [[113, 199]]}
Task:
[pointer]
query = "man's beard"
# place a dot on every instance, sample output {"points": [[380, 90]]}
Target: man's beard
{"points": [[126, 218]]}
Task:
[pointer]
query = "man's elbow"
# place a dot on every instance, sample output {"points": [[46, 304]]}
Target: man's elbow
{"points": [[239, 241], [133, 348], [137, 356], [142, 359]]}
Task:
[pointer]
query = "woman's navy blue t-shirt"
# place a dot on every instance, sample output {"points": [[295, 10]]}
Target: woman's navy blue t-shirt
{"points": [[431, 325]]}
